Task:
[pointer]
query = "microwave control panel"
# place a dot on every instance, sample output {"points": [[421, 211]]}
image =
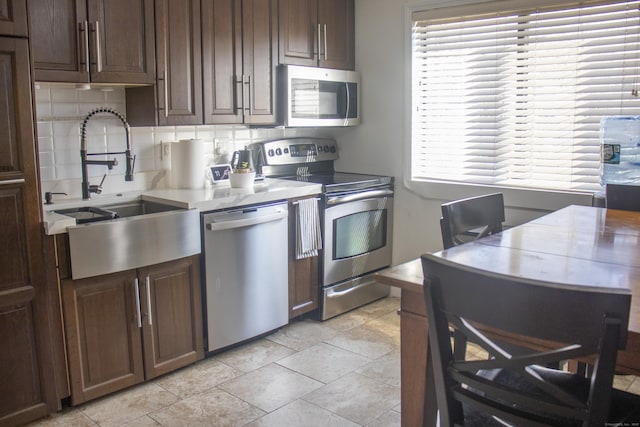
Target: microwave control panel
{"points": [[297, 150]]}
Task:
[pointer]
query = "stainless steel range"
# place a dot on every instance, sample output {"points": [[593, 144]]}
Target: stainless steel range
{"points": [[356, 219]]}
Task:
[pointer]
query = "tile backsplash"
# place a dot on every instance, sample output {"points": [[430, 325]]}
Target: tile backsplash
{"points": [[60, 110]]}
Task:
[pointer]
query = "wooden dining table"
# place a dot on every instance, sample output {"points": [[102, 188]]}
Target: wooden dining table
{"points": [[574, 246]]}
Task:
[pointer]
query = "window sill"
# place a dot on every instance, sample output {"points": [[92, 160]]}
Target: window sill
{"points": [[541, 200]]}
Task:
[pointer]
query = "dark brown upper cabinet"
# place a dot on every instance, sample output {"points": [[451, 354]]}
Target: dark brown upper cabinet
{"points": [[240, 54], [317, 33], [13, 18], [216, 62], [93, 41], [176, 99]]}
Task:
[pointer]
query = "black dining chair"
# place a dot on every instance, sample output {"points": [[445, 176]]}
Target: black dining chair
{"points": [[469, 219], [517, 389], [624, 197]]}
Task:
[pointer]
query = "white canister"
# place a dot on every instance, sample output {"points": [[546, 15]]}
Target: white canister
{"points": [[188, 164]]}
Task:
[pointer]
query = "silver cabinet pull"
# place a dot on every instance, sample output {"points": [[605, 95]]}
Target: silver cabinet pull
{"points": [[98, 50], [250, 97], [166, 93], [84, 29], [12, 181], [318, 42], [325, 42], [149, 300], [137, 289], [241, 103]]}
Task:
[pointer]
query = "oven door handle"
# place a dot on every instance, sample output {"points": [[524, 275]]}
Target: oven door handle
{"points": [[336, 200]]}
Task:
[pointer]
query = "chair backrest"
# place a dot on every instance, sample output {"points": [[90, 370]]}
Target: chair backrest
{"points": [[460, 217], [583, 323], [624, 197]]}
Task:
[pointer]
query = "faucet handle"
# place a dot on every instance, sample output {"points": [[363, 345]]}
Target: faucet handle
{"points": [[97, 188]]}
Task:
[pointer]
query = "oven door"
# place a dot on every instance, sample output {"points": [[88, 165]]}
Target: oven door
{"points": [[358, 231]]}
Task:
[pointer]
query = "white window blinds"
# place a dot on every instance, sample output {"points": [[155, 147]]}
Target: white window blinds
{"points": [[512, 96]]}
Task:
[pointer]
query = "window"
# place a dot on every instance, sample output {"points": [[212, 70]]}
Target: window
{"points": [[507, 95]]}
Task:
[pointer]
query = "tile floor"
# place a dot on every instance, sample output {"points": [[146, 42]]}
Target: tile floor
{"points": [[341, 372]]}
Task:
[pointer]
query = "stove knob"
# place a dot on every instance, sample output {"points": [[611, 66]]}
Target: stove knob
{"points": [[278, 151], [270, 153], [319, 148], [326, 148], [333, 149], [286, 151]]}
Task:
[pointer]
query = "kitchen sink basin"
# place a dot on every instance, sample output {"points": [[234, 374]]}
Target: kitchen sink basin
{"points": [[140, 207], [86, 214], [141, 233]]}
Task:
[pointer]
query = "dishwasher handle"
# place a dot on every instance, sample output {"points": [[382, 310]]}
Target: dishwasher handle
{"points": [[227, 225]]}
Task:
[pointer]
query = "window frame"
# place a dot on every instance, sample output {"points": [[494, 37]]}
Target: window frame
{"points": [[536, 199]]}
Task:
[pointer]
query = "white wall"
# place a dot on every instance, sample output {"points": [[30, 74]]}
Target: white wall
{"points": [[378, 144]]}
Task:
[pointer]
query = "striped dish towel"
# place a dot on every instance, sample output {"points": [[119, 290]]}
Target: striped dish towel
{"points": [[308, 234]]}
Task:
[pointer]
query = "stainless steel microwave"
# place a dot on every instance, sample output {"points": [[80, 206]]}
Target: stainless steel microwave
{"points": [[318, 97]]}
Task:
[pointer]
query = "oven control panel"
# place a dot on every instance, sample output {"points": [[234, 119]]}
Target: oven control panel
{"points": [[296, 150]]}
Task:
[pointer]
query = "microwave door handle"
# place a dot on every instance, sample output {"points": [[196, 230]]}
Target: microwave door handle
{"points": [[346, 113]]}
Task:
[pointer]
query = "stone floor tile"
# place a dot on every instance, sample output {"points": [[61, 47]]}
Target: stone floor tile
{"points": [[270, 387], [301, 413], [381, 307], [348, 320], [324, 362], [388, 419], [252, 356], [366, 340], [356, 397], [385, 369], [67, 417], [128, 405], [197, 378], [302, 334], [211, 408]]}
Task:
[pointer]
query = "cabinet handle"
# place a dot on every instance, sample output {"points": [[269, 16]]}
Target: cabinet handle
{"points": [[149, 300], [12, 181], [325, 42], [137, 289], [166, 94], [318, 42], [241, 83], [98, 51], [84, 29], [250, 97]]}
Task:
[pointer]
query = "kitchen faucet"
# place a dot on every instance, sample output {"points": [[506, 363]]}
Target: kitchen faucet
{"points": [[87, 189]]}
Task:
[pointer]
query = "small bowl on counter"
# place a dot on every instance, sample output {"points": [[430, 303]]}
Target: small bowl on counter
{"points": [[241, 180]]}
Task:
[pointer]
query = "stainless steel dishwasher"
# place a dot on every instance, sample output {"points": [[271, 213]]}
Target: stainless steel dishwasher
{"points": [[246, 272]]}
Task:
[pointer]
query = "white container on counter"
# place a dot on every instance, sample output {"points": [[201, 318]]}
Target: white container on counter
{"points": [[188, 163]]}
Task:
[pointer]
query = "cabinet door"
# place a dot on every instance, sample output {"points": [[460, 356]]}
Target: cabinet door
{"points": [[122, 41], [172, 315], [303, 274], [13, 18], [179, 62], [336, 19], [260, 56], [103, 336], [26, 369], [298, 32], [59, 40], [222, 61]]}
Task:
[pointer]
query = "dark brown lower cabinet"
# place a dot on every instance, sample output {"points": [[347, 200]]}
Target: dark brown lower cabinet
{"points": [[303, 273], [124, 328]]}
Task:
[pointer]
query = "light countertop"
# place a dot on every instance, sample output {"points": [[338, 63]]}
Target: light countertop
{"points": [[220, 196]]}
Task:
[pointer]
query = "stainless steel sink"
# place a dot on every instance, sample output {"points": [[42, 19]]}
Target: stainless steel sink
{"points": [[143, 233], [139, 207], [86, 214]]}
